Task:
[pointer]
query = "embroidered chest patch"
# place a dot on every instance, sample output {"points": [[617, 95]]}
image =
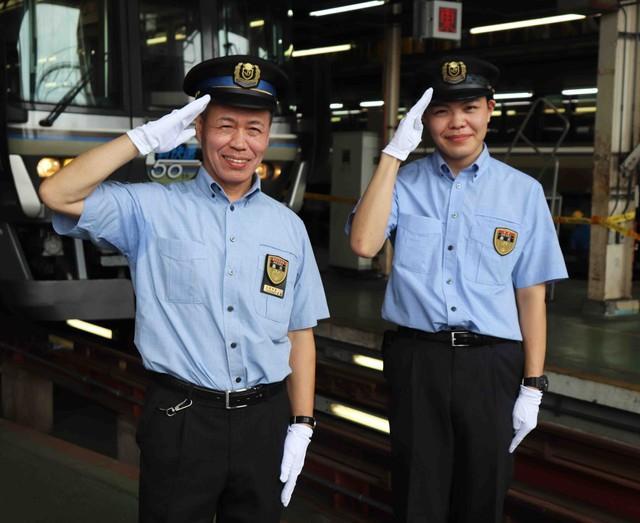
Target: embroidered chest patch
{"points": [[274, 278], [504, 240]]}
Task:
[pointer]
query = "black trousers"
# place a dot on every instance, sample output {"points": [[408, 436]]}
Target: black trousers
{"points": [[206, 460], [451, 425]]}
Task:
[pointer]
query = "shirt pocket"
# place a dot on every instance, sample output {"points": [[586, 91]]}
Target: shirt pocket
{"points": [[418, 243], [493, 246], [268, 302], [183, 266]]}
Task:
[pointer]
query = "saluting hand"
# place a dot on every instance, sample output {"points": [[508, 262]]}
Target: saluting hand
{"points": [[525, 414], [409, 132], [295, 450], [169, 131]]}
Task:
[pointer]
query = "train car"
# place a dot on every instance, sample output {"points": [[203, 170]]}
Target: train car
{"points": [[77, 73]]}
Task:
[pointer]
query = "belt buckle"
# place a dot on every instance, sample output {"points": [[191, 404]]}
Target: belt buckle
{"points": [[453, 339], [227, 393]]}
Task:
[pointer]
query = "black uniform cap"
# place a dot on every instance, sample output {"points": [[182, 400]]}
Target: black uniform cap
{"points": [[461, 78], [237, 80]]}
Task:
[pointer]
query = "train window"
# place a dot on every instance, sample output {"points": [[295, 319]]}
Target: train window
{"points": [[253, 28], [63, 48], [171, 45]]}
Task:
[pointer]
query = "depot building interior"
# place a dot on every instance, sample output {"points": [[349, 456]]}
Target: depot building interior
{"points": [[77, 73]]}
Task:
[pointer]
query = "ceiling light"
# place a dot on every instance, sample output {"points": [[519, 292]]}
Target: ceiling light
{"points": [[345, 8], [367, 361], [322, 50], [586, 90], [256, 23], [360, 417], [525, 23], [91, 328], [157, 40], [372, 103], [336, 106], [511, 96]]}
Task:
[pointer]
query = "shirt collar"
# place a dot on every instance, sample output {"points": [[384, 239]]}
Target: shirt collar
{"points": [[210, 187], [477, 168]]}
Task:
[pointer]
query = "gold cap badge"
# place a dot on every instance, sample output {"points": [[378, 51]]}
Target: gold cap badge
{"points": [[454, 72], [246, 74], [504, 240]]}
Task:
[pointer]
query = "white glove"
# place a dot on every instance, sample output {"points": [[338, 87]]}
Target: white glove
{"points": [[409, 132], [169, 131], [295, 449], [525, 414]]}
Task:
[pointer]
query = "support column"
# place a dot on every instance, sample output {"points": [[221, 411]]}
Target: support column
{"points": [[617, 132], [27, 398], [393, 51]]}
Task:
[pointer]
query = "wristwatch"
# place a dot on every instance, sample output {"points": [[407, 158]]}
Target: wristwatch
{"points": [[309, 420], [539, 382]]}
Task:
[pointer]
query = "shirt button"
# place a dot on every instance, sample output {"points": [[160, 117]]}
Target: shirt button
{"points": [[454, 309], [230, 308], [234, 345], [454, 215], [458, 186], [232, 239], [232, 207], [230, 272], [449, 281], [238, 380], [450, 248]]}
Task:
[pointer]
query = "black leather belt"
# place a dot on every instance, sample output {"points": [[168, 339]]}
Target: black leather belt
{"points": [[454, 338], [234, 399]]}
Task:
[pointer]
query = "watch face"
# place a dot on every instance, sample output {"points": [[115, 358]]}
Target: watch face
{"points": [[544, 383]]}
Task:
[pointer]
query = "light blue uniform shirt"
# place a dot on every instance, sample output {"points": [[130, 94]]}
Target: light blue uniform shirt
{"points": [[197, 265], [447, 233]]}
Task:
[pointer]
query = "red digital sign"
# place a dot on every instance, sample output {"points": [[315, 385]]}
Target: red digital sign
{"points": [[447, 20]]}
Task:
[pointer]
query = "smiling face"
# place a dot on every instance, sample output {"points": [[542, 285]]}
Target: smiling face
{"points": [[233, 142], [458, 129]]}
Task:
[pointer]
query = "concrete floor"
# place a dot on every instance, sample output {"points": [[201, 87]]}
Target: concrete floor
{"points": [[47, 480]]}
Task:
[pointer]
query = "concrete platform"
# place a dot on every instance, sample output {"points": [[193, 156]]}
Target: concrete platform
{"points": [[588, 358], [47, 480]]}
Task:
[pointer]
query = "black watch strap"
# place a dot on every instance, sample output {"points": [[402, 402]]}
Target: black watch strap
{"points": [[539, 382], [309, 420]]}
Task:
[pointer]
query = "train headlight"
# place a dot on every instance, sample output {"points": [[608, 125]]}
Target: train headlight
{"points": [[263, 171], [277, 171], [47, 167]]}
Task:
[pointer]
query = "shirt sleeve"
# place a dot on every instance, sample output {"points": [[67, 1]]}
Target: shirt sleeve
{"points": [[541, 259], [309, 301], [111, 218], [392, 222]]}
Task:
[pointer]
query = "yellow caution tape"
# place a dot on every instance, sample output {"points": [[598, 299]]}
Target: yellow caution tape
{"points": [[610, 222]]}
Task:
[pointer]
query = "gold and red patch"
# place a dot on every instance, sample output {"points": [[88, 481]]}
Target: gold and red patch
{"points": [[274, 278], [504, 240]]}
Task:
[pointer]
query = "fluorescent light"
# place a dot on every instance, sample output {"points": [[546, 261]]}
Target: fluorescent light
{"points": [[510, 96], [336, 119], [525, 23], [588, 109], [157, 40], [496, 113], [344, 112], [336, 105], [372, 103], [515, 104], [345, 8], [256, 23], [322, 50], [360, 417], [586, 90], [91, 328], [180, 36], [366, 361]]}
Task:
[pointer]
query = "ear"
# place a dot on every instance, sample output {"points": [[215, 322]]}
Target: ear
{"points": [[491, 104], [199, 125]]}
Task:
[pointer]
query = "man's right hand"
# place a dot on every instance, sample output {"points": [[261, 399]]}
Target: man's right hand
{"points": [[169, 131], [409, 132]]}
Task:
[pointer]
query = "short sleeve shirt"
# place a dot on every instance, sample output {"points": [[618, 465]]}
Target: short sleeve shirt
{"points": [[463, 244], [218, 284]]}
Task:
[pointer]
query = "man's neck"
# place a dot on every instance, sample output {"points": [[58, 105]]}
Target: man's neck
{"points": [[234, 191], [455, 166]]}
